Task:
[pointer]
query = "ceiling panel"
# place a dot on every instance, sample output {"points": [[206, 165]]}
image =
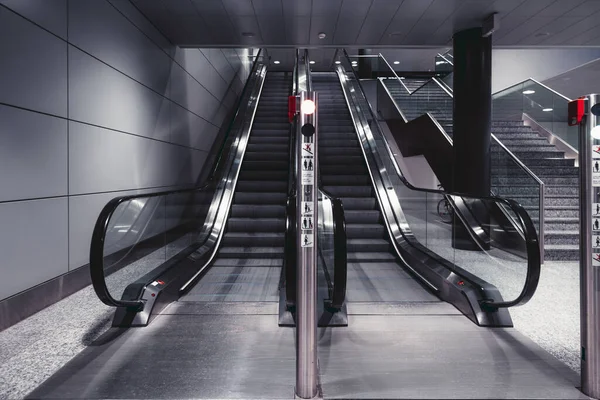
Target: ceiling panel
{"points": [[297, 30], [378, 18], [242, 8], [323, 19], [215, 16], [584, 10], [369, 22], [438, 12], [350, 20], [525, 30], [572, 31], [269, 14], [558, 25], [559, 8], [408, 15], [590, 37], [520, 15], [467, 15], [297, 8]]}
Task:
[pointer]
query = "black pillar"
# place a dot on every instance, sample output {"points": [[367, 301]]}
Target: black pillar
{"points": [[365, 70], [472, 112], [472, 125]]}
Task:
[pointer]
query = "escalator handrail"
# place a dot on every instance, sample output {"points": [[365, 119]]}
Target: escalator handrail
{"points": [[102, 222], [530, 234]]}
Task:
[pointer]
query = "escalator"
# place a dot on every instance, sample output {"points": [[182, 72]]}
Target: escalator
{"points": [[205, 278], [252, 250], [399, 248], [374, 273]]}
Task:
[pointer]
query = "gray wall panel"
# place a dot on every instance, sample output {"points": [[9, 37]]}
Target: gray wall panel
{"points": [[33, 243], [220, 63], [49, 14], [34, 64], [134, 113], [93, 24], [101, 96], [140, 21], [196, 64], [188, 93], [33, 155], [189, 130], [104, 160]]}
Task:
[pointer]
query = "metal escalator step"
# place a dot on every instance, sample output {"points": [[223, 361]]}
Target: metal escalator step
{"points": [[367, 245], [251, 252], [366, 231], [371, 256], [257, 211], [363, 217], [237, 224], [261, 239], [350, 191], [248, 262], [260, 198], [265, 186]]}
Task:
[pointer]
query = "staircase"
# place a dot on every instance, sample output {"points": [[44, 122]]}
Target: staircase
{"points": [[429, 98], [252, 250], [560, 176]]}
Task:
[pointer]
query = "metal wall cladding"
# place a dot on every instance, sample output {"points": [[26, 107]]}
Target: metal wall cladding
{"points": [[98, 104], [33, 242], [33, 155], [32, 65]]}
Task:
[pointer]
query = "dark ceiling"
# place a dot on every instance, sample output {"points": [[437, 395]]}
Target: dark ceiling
{"points": [[371, 22]]}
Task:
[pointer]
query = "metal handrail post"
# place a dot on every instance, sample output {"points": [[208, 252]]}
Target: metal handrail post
{"points": [[589, 209], [306, 217]]}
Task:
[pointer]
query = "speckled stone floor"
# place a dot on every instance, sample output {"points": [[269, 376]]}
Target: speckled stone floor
{"points": [[32, 350]]}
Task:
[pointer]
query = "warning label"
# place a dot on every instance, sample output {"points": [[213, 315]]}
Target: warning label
{"points": [[596, 259], [307, 239], [596, 241], [307, 222], [595, 151], [307, 208], [596, 172], [307, 150]]}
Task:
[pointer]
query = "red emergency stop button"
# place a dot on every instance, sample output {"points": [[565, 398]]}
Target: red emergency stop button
{"points": [[576, 111]]}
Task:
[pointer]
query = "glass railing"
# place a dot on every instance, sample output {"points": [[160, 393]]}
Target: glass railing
{"points": [[509, 176], [435, 231], [138, 238], [546, 107]]}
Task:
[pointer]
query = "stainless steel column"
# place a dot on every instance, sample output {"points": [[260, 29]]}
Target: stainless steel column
{"points": [[306, 217], [589, 166]]}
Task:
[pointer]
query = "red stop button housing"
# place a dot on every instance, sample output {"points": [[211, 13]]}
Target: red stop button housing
{"points": [[576, 111], [291, 107]]}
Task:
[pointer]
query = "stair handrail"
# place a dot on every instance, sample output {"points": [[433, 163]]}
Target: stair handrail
{"points": [[394, 72], [530, 234], [443, 56], [97, 272]]}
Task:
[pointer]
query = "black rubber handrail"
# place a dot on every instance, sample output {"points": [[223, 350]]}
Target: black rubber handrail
{"points": [[530, 234], [340, 254], [99, 233]]}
